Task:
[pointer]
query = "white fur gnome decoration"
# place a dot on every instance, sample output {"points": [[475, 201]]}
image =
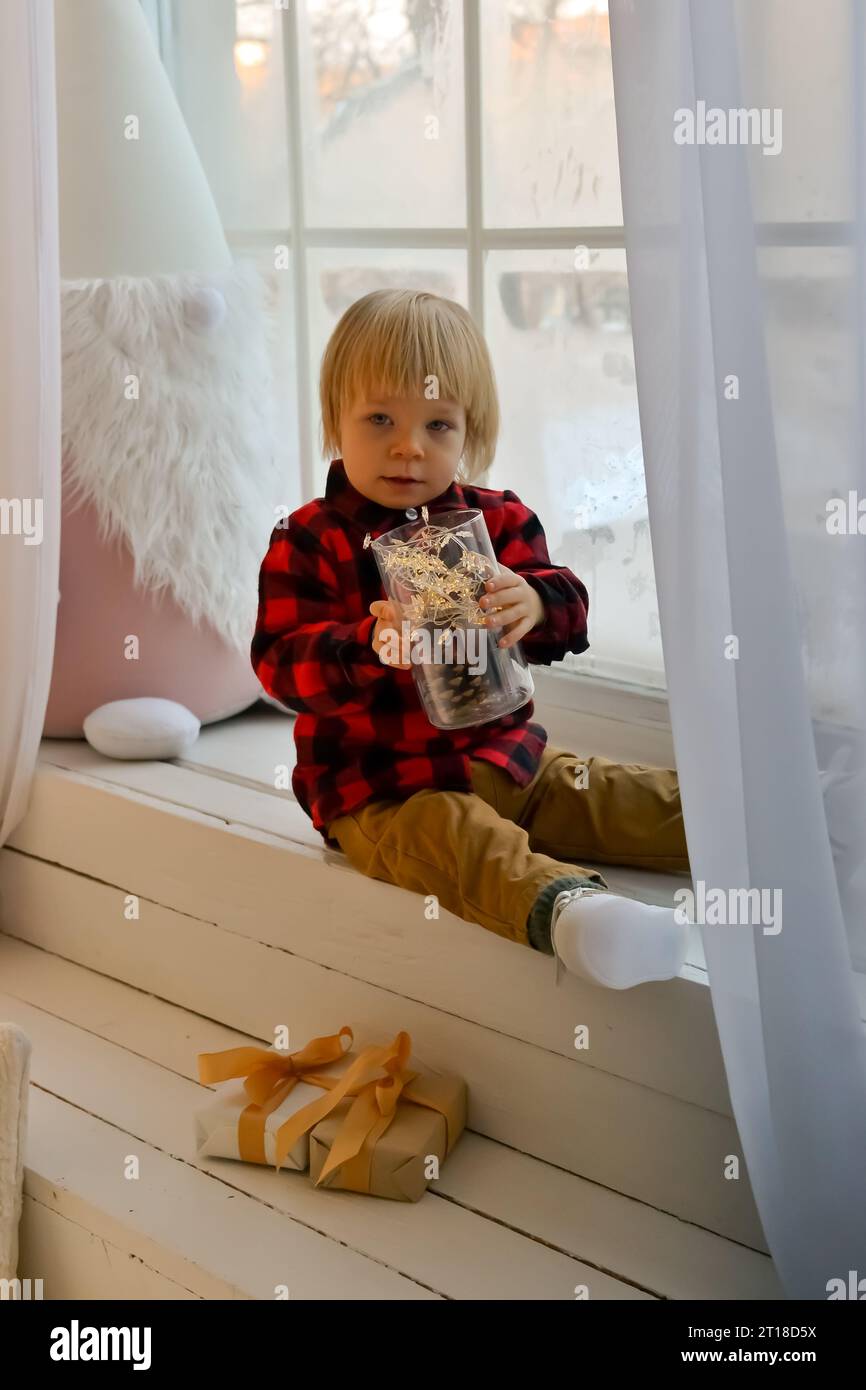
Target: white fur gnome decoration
{"points": [[171, 478], [186, 470]]}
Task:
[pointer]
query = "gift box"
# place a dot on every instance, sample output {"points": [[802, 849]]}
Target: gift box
{"points": [[394, 1165], [381, 1140], [364, 1122], [245, 1118]]}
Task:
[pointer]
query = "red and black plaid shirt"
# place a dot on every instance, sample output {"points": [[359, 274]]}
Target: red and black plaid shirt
{"points": [[361, 730]]}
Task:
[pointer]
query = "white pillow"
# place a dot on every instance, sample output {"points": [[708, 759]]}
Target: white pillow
{"points": [[143, 728]]}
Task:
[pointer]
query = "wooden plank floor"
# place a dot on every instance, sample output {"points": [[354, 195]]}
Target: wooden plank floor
{"points": [[113, 1074], [114, 1071]]}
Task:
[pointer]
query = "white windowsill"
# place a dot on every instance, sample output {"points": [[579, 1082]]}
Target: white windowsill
{"points": [[562, 687], [587, 715]]}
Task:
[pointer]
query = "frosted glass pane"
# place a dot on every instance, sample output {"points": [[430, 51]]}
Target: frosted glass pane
{"points": [[550, 154], [283, 344], [570, 445], [227, 66], [382, 99], [337, 278]]}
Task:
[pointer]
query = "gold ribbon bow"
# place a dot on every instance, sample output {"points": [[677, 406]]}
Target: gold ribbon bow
{"points": [[269, 1078]]}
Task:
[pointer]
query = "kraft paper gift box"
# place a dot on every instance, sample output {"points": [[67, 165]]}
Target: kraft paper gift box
{"points": [[380, 1140], [262, 1089]]}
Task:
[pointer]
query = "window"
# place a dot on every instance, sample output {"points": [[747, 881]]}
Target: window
{"points": [[470, 149]]}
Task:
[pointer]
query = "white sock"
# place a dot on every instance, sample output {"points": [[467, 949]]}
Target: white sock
{"points": [[615, 941]]}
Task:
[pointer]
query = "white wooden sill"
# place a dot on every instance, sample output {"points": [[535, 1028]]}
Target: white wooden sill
{"points": [[248, 919], [578, 709]]}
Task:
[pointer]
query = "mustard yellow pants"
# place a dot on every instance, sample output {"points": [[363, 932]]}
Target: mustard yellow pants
{"points": [[488, 853]]}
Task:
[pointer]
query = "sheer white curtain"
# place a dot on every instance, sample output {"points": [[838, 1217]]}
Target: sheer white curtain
{"points": [[29, 393], [746, 273]]}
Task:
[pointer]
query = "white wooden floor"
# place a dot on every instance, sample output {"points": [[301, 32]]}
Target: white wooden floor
{"points": [[530, 1205]]}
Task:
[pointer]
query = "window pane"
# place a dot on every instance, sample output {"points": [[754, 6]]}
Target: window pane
{"points": [[227, 62], [283, 339], [550, 154], [570, 445], [382, 99], [337, 278]]}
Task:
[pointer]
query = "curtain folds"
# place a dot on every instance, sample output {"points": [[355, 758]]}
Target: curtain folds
{"points": [[746, 261], [29, 393]]}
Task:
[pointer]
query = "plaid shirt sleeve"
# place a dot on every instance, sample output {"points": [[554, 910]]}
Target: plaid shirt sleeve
{"points": [[522, 547], [302, 653]]}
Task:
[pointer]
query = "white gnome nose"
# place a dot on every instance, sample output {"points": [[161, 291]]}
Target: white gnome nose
{"points": [[204, 310]]}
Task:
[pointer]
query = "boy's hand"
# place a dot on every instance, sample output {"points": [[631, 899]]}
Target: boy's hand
{"points": [[386, 622], [517, 605]]}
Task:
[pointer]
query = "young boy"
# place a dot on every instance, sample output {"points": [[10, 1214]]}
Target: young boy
{"points": [[488, 818]]}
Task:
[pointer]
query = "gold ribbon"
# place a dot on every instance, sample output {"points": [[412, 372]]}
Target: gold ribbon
{"points": [[270, 1078]]}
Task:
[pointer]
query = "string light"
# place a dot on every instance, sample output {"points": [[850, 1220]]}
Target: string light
{"points": [[442, 594]]}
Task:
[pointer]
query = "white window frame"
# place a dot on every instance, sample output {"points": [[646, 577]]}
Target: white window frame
{"points": [[571, 694]]}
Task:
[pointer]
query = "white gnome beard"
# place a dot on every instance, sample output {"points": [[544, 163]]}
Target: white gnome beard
{"points": [[188, 473]]}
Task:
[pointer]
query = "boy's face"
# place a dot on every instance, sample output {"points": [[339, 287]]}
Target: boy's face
{"points": [[403, 437]]}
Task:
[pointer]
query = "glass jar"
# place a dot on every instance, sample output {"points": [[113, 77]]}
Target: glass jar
{"points": [[434, 575]]}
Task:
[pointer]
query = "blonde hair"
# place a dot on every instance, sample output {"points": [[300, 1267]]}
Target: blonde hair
{"points": [[391, 341]]}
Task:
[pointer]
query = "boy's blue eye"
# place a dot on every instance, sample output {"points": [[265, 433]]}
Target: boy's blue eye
{"points": [[379, 415]]}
